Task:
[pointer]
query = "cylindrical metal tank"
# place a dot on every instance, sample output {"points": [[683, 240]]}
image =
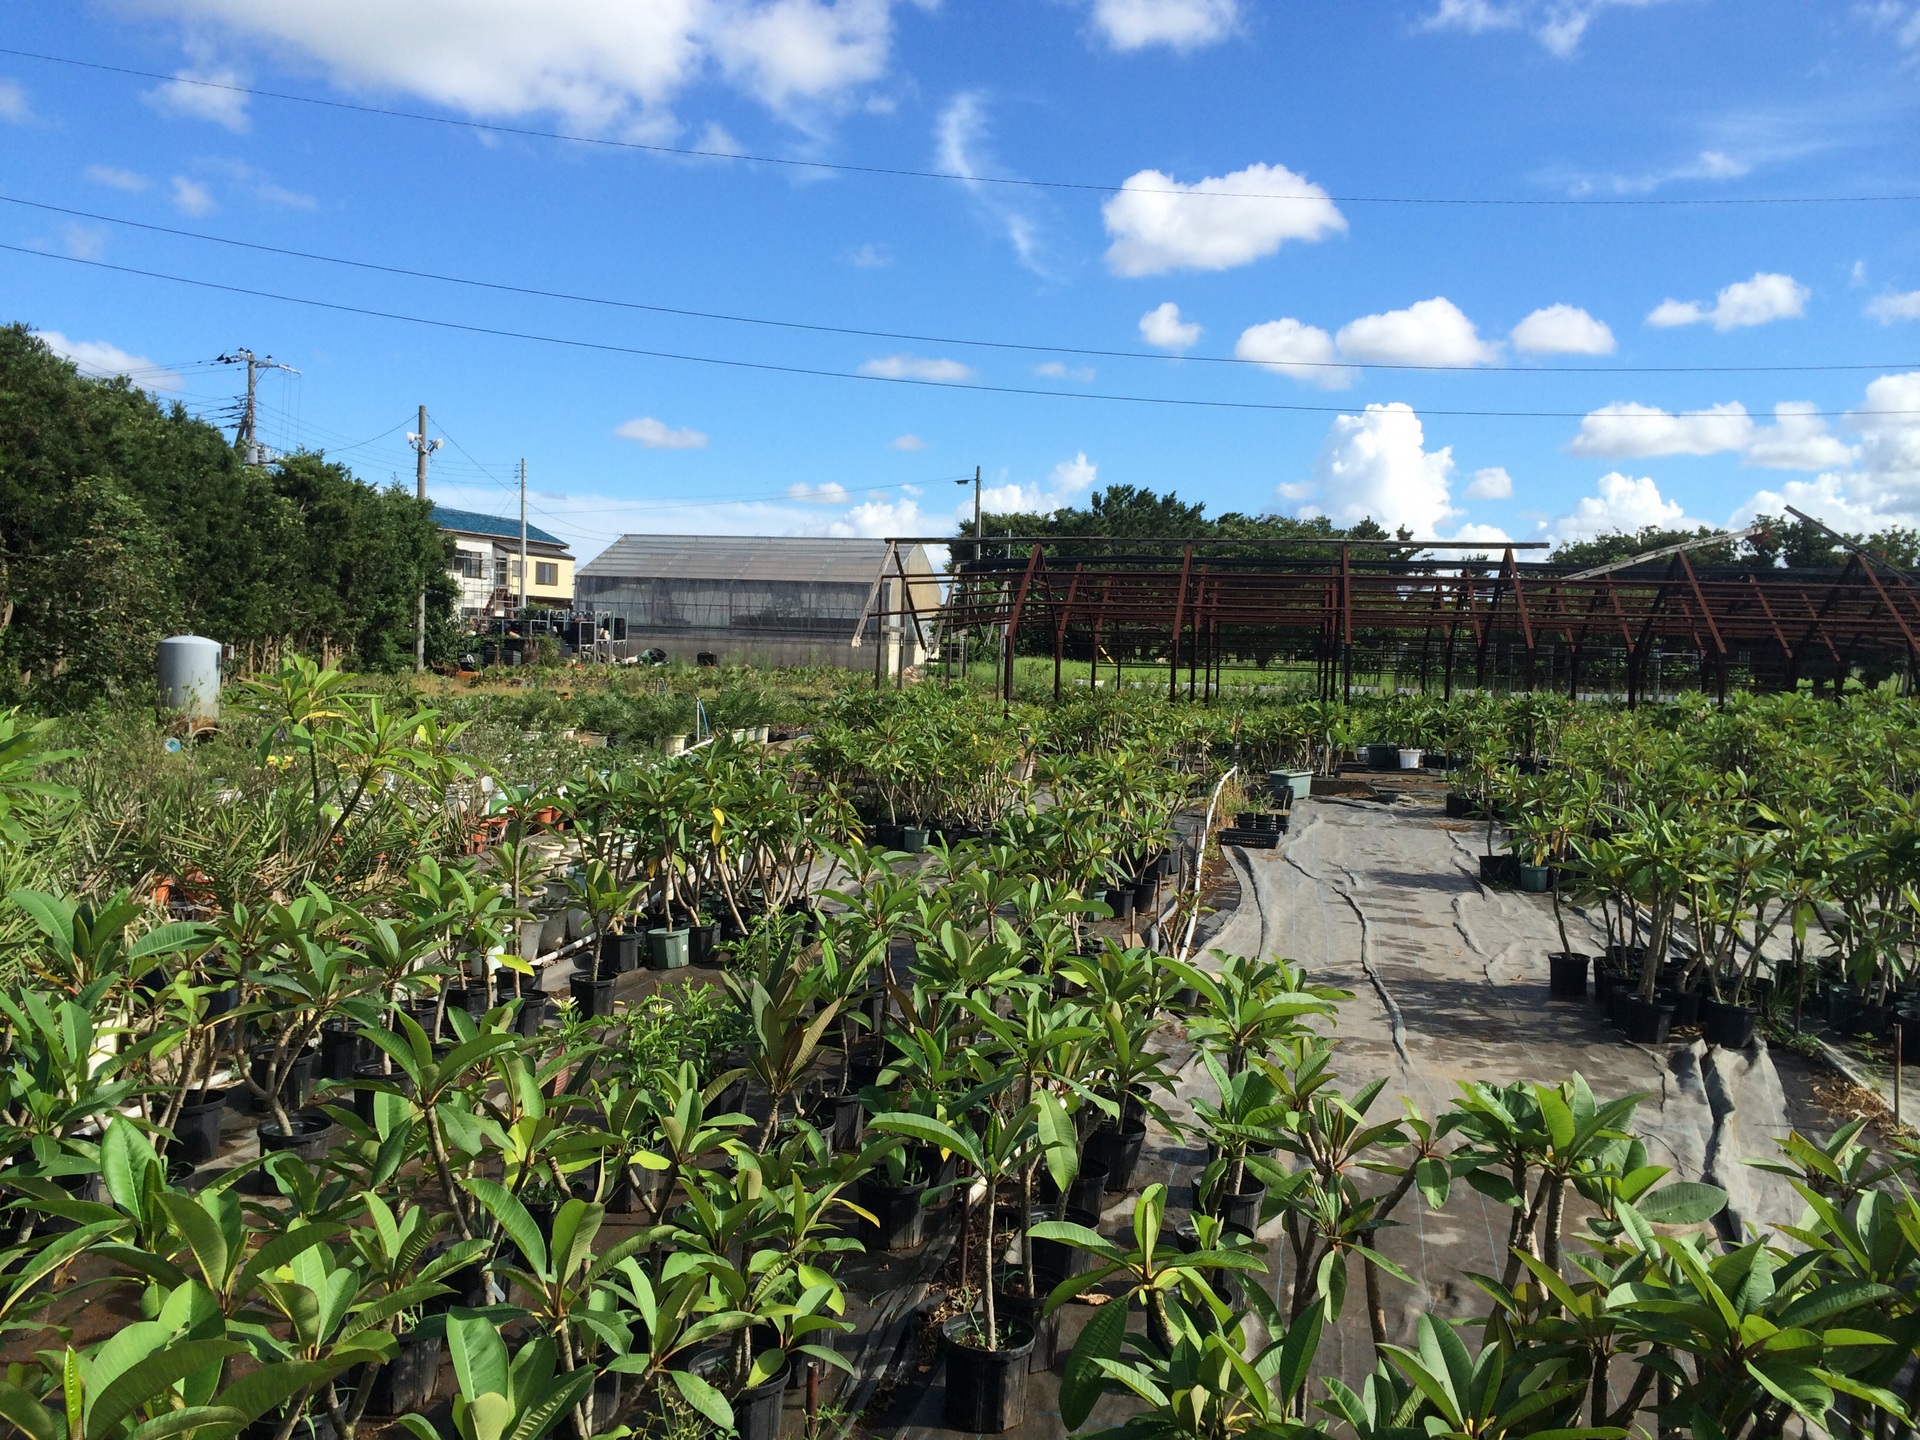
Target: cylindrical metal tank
{"points": [[190, 678]]}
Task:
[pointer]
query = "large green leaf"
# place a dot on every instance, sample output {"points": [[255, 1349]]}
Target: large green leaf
{"points": [[1685, 1202], [1085, 1375]]}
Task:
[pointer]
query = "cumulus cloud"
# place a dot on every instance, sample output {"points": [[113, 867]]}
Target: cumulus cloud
{"points": [[1376, 465], [1764, 298], [115, 179], [1629, 430], [1159, 224], [607, 65], [1798, 439], [1178, 24], [1305, 352], [14, 106], [101, 358], [906, 442], [1492, 483], [1430, 332], [1891, 308], [190, 197], [1057, 370], [831, 493], [1066, 484], [914, 367], [1559, 25], [1881, 485], [1563, 330], [877, 518], [960, 136], [1163, 327], [203, 90], [1623, 504], [655, 434]]}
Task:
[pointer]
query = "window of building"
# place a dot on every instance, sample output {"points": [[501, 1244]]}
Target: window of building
{"points": [[470, 565], [546, 572]]}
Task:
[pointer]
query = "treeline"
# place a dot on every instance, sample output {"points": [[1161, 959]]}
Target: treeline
{"points": [[123, 520], [1130, 512]]}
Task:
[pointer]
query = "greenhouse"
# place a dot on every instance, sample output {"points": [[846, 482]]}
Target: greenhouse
{"points": [[394, 1061]]}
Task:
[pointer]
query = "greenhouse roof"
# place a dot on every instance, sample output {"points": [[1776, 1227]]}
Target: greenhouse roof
{"points": [[817, 560]]}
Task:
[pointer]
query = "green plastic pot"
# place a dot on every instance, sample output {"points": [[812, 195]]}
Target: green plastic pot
{"points": [[667, 949], [1536, 879], [913, 838]]}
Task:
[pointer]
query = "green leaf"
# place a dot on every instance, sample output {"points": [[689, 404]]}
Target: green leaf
{"points": [[479, 1354], [1685, 1202], [1084, 1378], [1061, 1141], [152, 1378], [703, 1397], [505, 1207]]}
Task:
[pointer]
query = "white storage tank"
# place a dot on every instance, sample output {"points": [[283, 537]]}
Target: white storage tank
{"points": [[190, 679]]}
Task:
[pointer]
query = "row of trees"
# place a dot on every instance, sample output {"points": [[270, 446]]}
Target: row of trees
{"points": [[126, 520]]}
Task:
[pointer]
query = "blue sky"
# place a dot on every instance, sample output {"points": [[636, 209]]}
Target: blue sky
{"points": [[1299, 278]]}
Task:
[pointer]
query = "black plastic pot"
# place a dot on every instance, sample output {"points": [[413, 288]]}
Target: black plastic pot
{"points": [[1617, 999], [341, 1050], [756, 1412], [902, 1221], [1567, 976], [1605, 977], [534, 1008], [1729, 1026], [1087, 1194], [1686, 1005], [700, 942], [196, 1129], [1459, 807], [593, 994], [1054, 1261], [1169, 864], [1145, 892], [1012, 1302], [619, 953], [363, 1100], [1120, 901], [1240, 1212], [1500, 872], [295, 1089], [986, 1389], [1118, 1149], [864, 1064], [842, 1118], [1647, 1021], [406, 1384], [307, 1139]]}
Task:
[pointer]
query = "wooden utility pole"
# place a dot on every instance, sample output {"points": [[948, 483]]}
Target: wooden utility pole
{"points": [[523, 545], [422, 447]]}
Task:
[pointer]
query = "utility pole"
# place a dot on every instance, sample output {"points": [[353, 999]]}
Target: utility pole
{"points": [[423, 447], [250, 450], [523, 539], [966, 639]]}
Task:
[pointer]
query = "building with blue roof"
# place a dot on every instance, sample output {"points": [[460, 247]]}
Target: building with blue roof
{"points": [[486, 563]]}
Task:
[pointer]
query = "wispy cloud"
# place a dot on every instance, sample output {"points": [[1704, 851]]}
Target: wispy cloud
{"points": [[960, 138]]}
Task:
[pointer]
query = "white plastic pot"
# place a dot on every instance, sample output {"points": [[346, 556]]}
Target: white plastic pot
{"points": [[1410, 759]]}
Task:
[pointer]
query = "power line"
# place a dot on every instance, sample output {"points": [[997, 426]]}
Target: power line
{"points": [[769, 367], [535, 292], [899, 172]]}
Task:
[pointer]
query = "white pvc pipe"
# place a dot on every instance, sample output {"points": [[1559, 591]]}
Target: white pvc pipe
{"points": [[1200, 862]]}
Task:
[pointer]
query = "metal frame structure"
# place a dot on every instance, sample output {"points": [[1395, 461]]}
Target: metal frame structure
{"points": [[1437, 606]]}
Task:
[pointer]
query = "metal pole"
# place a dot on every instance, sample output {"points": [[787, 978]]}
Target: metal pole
{"points": [[523, 545], [422, 448], [1897, 1051]]}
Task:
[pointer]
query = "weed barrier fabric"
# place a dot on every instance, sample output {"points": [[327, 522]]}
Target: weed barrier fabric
{"points": [[1450, 984]]}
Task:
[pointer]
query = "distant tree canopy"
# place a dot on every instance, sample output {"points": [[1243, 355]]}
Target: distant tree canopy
{"points": [[1782, 540], [1129, 512], [123, 520]]}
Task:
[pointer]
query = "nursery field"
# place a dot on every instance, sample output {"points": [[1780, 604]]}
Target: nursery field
{"points": [[462, 1062]]}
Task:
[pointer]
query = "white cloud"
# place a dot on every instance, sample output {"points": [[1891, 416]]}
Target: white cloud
{"points": [[1293, 490], [1492, 483], [1492, 536], [1056, 370], [1162, 326], [1559, 25], [203, 90], [1623, 504], [190, 197], [876, 518], [100, 357], [1890, 308], [1563, 330], [870, 257], [115, 179], [1180, 24], [906, 442], [1159, 225], [1797, 440], [913, 367], [14, 106], [604, 65], [1431, 332], [1376, 465], [1303, 351], [1068, 483], [655, 434], [1766, 297], [831, 493], [83, 242], [960, 138], [1620, 431]]}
